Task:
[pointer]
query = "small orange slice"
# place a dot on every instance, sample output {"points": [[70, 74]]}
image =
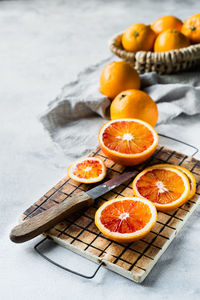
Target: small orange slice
{"points": [[167, 187], [126, 219], [87, 170], [189, 175], [128, 141]]}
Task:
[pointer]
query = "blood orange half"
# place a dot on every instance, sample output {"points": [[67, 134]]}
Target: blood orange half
{"points": [[128, 141], [87, 170], [167, 187], [126, 219]]}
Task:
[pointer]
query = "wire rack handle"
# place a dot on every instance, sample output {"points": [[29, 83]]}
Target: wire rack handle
{"points": [[36, 247], [196, 150]]}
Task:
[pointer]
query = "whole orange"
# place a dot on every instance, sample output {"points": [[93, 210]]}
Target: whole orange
{"points": [[138, 37], [117, 77], [170, 39], [166, 22], [134, 104], [191, 28]]}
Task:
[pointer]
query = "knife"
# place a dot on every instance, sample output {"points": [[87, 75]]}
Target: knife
{"points": [[52, 216]]}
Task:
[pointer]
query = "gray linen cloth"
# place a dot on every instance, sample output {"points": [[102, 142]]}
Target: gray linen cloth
{"points": [[75, 116]]}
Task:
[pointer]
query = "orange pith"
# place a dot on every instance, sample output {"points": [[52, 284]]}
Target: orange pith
{"points": [[126, 219], [166, 187], [128, 141], [87, 170]]}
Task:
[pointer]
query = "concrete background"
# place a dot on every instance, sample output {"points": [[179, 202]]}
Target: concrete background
{"points": [[43, 45]]}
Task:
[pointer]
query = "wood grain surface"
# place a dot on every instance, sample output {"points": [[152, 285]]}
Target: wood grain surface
{"points": [[49, 218], [79, 233]]}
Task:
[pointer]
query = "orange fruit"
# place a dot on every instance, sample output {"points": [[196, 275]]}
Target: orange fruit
{"points": [[128, 141], [87, 170], [134, 104], [189, 175], [117, 77], [166, 22], [138, 37], [126, 219], [191, 28], [167, 187], [170, 39]]}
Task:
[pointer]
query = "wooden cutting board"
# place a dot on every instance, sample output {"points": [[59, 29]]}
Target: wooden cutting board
{"points": [[79, 233]]}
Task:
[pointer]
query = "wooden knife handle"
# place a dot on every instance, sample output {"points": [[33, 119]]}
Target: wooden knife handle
{"points": [[49, 218]]}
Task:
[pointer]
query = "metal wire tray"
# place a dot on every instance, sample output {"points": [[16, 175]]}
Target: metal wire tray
{"points": [[78, 233]]}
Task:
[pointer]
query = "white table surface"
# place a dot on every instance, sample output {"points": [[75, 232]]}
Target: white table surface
{"points": [[43, 45]]}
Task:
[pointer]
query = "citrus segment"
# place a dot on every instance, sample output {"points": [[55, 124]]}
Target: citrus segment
{"points": [[189, 175], [87, 170], [126, 219], [128, 141], [166, 187]]}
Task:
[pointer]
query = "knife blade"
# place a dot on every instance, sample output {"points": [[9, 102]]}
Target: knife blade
{"points": [[52, 216], [109, 185]]}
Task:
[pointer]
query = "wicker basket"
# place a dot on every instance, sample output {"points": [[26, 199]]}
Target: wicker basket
{"points": [[163, 62]]}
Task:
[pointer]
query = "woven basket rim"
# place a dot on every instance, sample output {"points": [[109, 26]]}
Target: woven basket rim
{"points": [[129, 54]]}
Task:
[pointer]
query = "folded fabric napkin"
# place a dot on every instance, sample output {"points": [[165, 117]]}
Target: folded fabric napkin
{"points": [[75, 116]]}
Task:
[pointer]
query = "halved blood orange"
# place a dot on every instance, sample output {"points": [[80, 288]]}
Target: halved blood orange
{"points": [[167, 187], [87, 170], [126, 219], [128, 141], [189, 175]]}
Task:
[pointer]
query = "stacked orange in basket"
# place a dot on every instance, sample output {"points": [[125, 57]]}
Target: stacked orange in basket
{"points": [[168, 45], [165, 34]]}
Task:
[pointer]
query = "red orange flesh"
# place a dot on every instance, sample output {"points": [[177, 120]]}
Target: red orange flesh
{"points": [[128, 141], [126, 219], [87, 170], [166, 187]]}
